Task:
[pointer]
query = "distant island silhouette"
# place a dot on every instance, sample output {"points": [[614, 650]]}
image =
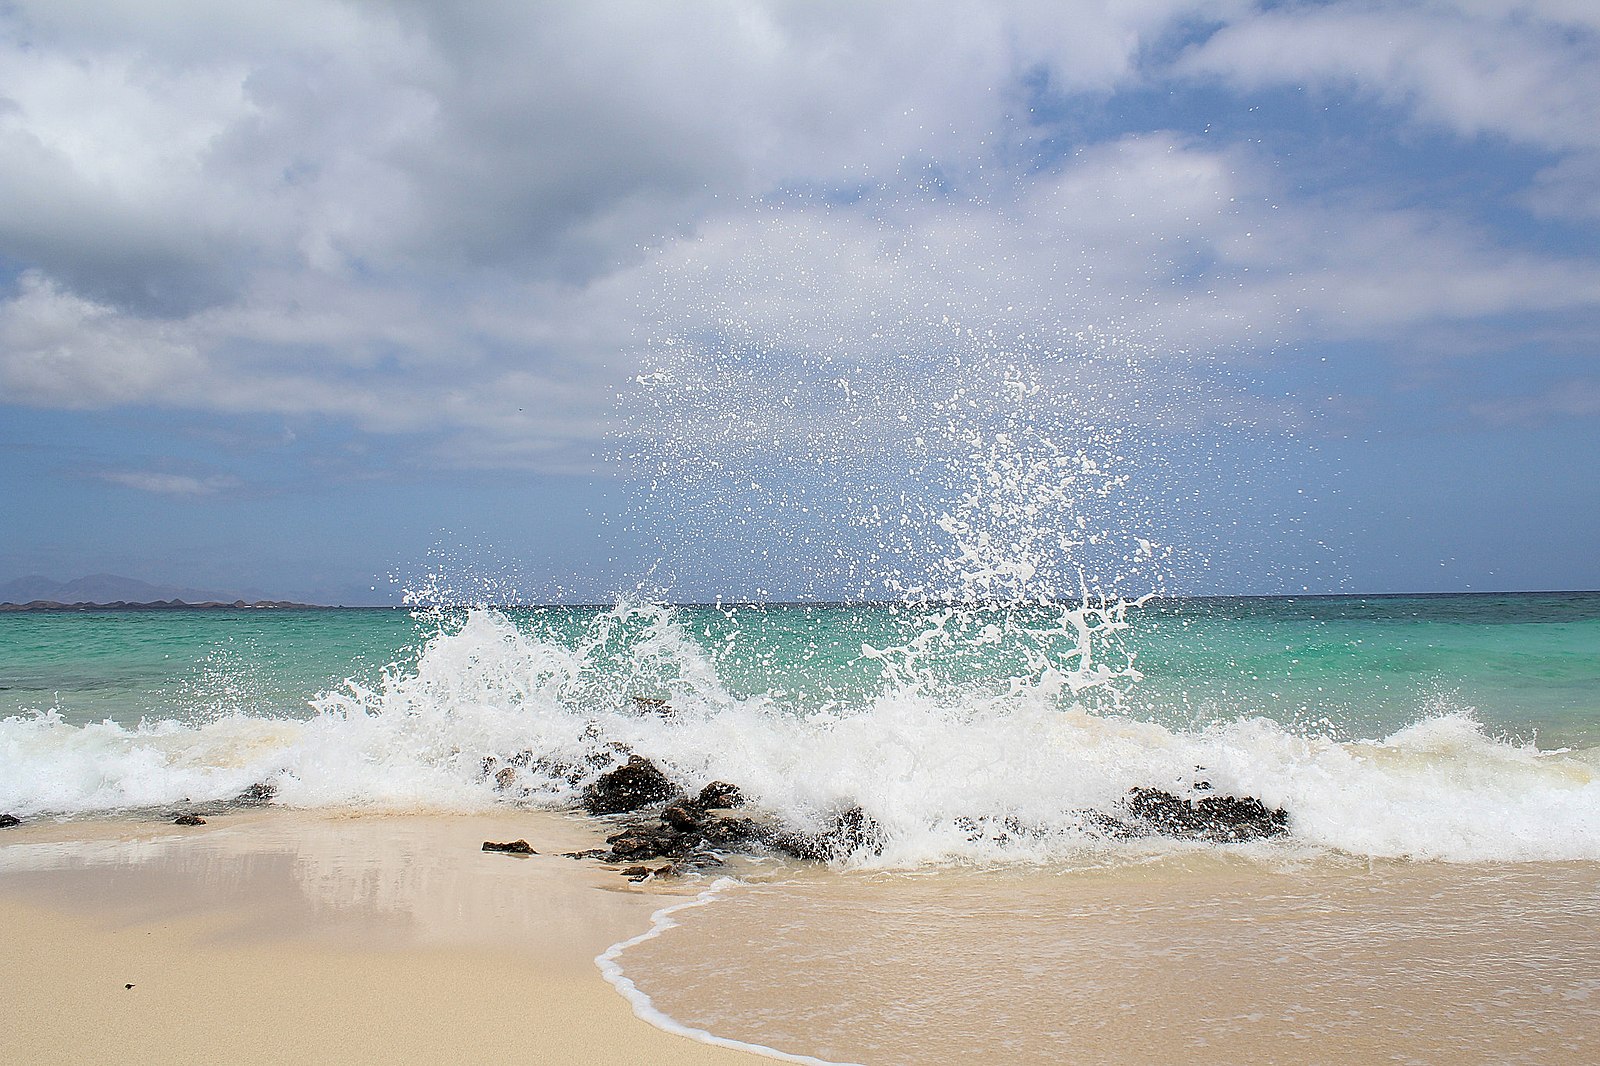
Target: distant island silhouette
{"points": [[111, 592]]}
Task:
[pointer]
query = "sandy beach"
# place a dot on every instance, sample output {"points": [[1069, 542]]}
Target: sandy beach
{"points": [[282, 937]]}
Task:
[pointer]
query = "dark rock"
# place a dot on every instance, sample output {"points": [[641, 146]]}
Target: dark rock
{"points": [[512, 847], [729, 832], [1166, 813], [1108, 826], [637, 873], [999, 830], [127, 986], [719, 795], [257, 795], [851, 830], [556, 770], [592, 853], [524, 757], [653, 705], [699, 859], [9, 820], [188, 819], [855, 830], [681, 818], [645, 841], [523, 773], [635, 784], [807, 846], [1242, 818], [1221, 818]]}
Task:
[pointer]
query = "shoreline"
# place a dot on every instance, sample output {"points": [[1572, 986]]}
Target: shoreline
{"points": [[266, 936]]}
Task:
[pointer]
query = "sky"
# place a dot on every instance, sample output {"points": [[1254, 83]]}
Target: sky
{"points": [[316, 299]]}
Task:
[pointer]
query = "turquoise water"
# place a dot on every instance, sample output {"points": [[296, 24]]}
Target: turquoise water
{"points": [[1525, 666], [128, 665]]}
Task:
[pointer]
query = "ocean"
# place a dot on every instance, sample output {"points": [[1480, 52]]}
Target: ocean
{"points": [[921, 714], [1438, 758]]}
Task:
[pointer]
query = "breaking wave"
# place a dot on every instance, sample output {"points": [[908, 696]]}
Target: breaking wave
{"points": [[973, 734]]}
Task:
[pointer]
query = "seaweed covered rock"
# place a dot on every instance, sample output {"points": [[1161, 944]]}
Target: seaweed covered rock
{"points": [[636, 783]]}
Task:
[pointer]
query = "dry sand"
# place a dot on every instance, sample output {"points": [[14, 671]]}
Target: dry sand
{"points": [[283, 937]]}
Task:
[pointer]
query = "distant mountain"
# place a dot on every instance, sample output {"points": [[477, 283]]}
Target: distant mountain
{"points": [[101, 588]]}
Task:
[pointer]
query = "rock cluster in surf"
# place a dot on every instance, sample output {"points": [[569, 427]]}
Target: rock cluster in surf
{"points": [[694, 832], [654, 820]]}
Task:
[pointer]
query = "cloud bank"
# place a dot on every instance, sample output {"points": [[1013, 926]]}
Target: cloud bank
{"points": [[470, 226]]}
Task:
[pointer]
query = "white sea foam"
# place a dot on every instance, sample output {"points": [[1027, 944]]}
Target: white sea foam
{"points": [[952, 774]]}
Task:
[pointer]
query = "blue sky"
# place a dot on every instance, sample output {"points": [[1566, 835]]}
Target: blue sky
{"points": [[312, 298]]}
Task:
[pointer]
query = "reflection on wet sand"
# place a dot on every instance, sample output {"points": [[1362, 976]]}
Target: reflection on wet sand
{"points": [[399, 880]]}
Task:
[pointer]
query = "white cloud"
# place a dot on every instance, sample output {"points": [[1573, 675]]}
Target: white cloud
{"points": [[165, 154], [1569, 189], [163, 484], [1525, 71], [58, 349], [1174, 253], [1579, 398], [469, 222], [1172, 245]]}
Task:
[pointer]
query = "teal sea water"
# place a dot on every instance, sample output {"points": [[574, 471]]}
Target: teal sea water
{"points": [[1527, 666], [1474, 718]]}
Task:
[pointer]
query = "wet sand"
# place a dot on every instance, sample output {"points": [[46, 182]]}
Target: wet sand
{"points": [[282, 937], [1192, 958]]}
